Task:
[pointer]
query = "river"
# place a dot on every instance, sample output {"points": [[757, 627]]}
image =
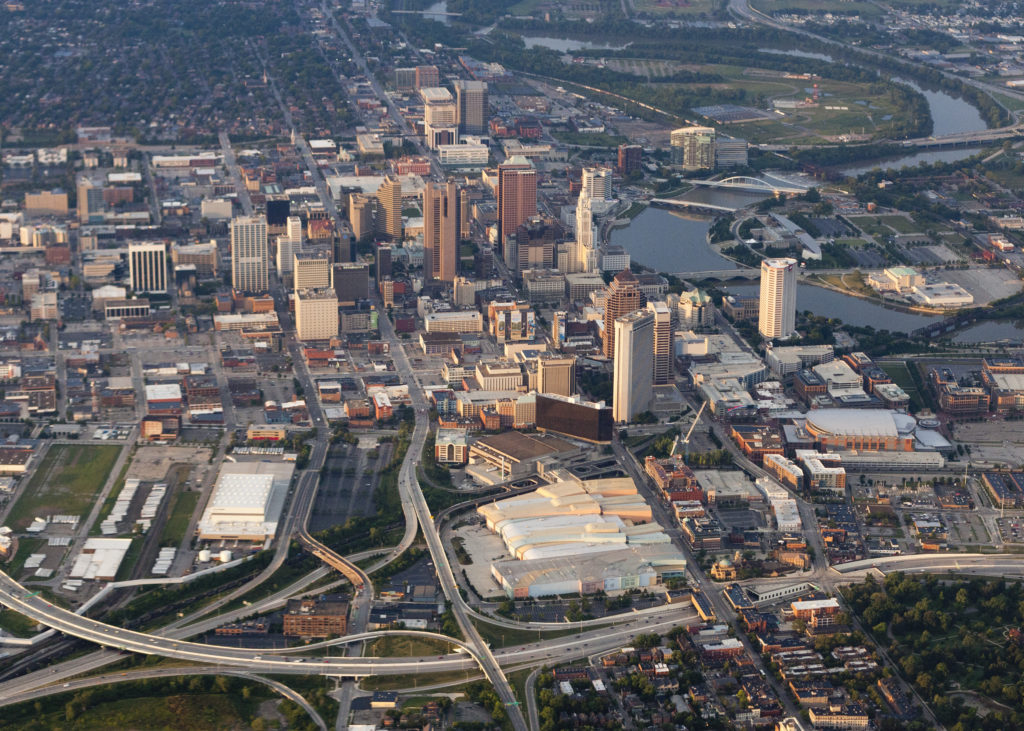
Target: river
{"points": [[849, 309], [991, 331], [670, 242]]}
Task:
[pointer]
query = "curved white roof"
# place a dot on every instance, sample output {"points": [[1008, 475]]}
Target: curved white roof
{"points": [[853, 422], [905, 423]]}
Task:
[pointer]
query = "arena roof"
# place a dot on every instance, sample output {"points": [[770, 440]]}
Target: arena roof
{"points": [[853, 422]]}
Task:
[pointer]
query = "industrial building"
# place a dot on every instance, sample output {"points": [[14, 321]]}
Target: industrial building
{"points": [[247, 501], [579, 536]]}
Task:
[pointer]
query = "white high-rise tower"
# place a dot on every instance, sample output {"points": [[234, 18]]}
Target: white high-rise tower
{"points": [[250, 260], [778, 298]]}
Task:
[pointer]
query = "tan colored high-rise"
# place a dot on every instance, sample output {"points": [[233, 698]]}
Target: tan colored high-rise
{"points": [[632, 376], [471, 100], [440, 231], [312, 270], [663, 370], [250, 257], [557, 375], [389, 197], [316, 314], [624, 297], [777, 315], [517, 195]]}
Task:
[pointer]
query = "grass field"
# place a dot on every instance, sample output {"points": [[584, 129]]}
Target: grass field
{"points": [[65, 482], [181, 712], [497, 636], [414, 680], [869, 225], [399, 646], [179, 517], [670, 8], [17, 624], [900, 224]]}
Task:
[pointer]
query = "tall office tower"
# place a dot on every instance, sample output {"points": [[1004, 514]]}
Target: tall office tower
{"points": [[285, 257], [533, 245], [471, 99], [624, 297], [440, 117], [351, 282], [556, 374], [294, 229], [383, 262], [405, 79], [316, 314], [777, 316], [663, 353], [90, 201], [279, 210], [586, 252], [597, 183], [440, 231], [517, 195], [362, 215], [632, 376], [147, 264], [312, 270], [693, 147], [466, 198], [389, 200], [250, 258], [629, 158], [427, 76], [558, 335]]}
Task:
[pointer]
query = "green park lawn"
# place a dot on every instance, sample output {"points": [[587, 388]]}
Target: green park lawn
{"points": [[66, 482]]}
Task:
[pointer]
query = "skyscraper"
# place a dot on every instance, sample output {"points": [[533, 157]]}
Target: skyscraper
{"points": [[250, 258], [440, 231], [693, 147], [629, 158], [586, 252], [147, 264], [632, 375], [597, 183], [471, 100], [427, 76], [316, 314], [288, 245], [662, 352], [556, 374], [389, 198], [312, 270], [624, 297], [517, 195], [777, 316], [440, 117]]}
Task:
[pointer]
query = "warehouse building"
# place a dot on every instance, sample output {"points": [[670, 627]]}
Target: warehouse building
{"points": [[247, 501], [633, 567]]}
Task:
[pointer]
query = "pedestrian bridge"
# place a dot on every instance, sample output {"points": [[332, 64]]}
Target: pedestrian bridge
{"points": [[690, 205], [721, 274], [768, 184]]}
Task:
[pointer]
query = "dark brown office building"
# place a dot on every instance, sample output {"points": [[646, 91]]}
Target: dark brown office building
{"points": [[577, 419]]}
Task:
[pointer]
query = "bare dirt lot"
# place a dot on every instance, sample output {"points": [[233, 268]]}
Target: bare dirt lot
{"points": [[150, 464]]}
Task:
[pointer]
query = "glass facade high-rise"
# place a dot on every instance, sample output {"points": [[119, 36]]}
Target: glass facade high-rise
{"points": [[250, 258]]}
